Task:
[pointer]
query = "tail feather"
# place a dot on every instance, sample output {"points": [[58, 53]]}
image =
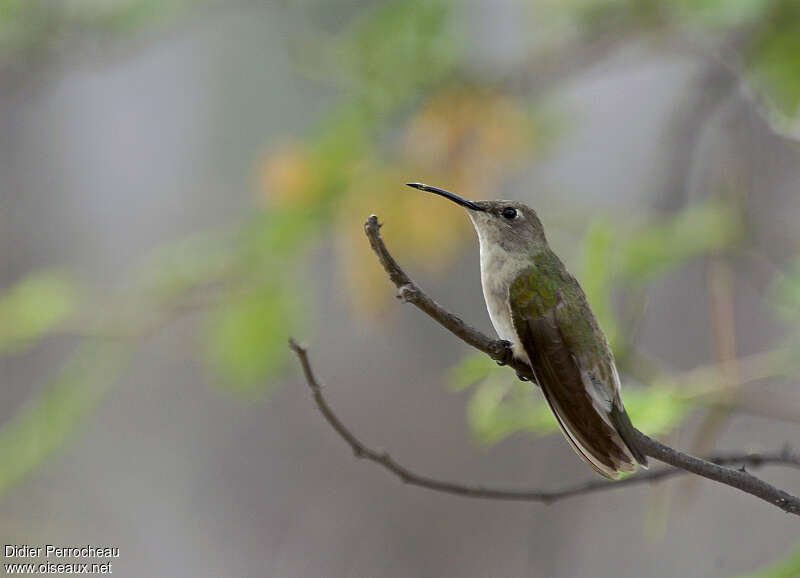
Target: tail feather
{"points": [[622, 423], [598, 430], [607, 462]]}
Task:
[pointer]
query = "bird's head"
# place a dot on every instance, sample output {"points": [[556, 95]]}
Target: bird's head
{"points": [[510, 225]]}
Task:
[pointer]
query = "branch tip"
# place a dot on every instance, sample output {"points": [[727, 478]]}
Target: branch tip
{"points": [[372, 223]]}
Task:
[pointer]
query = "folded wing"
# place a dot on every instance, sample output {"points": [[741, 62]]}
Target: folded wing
{"points": [[570, 358]]}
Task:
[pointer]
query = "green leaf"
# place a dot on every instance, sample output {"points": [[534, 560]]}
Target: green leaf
{"points": [[33, 307], [44, 424], [662, 247], [500, 407], [776, 65], [246, 339], [473, 369], [789, 567], [657, 410]]}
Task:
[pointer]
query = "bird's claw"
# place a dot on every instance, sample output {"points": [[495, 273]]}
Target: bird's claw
{"points": [[502, 352], [522, 377]]}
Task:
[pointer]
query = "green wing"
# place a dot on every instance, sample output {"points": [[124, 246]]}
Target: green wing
{"points": [[570, 358]]}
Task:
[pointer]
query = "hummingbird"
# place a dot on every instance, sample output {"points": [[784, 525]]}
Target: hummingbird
{"points": [[540, 310]]}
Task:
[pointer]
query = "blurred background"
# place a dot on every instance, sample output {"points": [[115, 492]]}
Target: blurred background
{"points": [[183, 185]]}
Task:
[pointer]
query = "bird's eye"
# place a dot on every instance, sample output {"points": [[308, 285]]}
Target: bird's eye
{"points": [[509, 213]]}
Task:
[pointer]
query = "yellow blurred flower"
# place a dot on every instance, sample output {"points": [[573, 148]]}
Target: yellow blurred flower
{"points": [[285, 177], [474, 136], [463, 140], [420, 231]]}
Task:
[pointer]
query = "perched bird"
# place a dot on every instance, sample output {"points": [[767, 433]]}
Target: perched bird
{"points": [[536, 305]]}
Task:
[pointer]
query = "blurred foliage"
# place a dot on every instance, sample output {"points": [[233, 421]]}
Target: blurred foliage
{"points": [[36, 27], [722, 14], [33, 307], [175, 270], [247, 336], [659, 248], [412, 106], [501, 406], [598, 256], [241, 279], [777, 64], [786, 293], [47, 421], [407, 99], [399, 49], [126, 16], [773, 57], [761, 34]]}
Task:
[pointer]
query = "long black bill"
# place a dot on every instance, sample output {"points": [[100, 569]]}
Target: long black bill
{"points": [[448, 195]]}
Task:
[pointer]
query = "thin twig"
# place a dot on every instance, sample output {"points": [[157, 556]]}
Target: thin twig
{"points": [[409, 291], [383, 459]]}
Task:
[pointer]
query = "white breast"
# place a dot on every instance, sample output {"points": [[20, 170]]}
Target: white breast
{"points": [[497, 272]]}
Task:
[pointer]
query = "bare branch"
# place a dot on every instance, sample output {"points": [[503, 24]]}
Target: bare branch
{"points": [[383, 459], [409, 291]]}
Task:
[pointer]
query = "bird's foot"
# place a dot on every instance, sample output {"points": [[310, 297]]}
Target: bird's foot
{"points": [[502, 351], [522, 377]]}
